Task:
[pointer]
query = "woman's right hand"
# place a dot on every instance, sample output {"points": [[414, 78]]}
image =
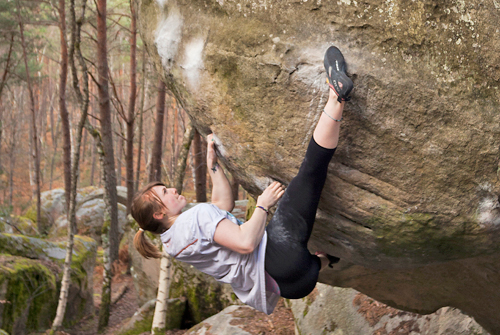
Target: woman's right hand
{"points": [[271, 195]]}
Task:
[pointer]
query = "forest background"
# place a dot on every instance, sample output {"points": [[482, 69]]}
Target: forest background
{"points": [[80, 105], [41, 20]]}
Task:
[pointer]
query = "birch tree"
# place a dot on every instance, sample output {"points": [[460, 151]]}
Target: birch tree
{"points": [[160, 314], [108, 164]]}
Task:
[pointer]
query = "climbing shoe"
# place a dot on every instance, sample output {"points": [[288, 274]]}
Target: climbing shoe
{"points": [[336, 75]]}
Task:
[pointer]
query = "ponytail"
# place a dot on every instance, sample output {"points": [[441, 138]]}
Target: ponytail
{"points": [[144, 247], [144, 205]]}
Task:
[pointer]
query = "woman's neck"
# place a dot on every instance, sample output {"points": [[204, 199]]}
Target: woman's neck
{"points": [[170, 221]]}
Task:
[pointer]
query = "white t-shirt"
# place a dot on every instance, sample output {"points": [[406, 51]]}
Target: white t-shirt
{"points": [[191, 239]]}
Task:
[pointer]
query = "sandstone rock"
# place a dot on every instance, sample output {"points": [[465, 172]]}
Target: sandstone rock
{"points": [[90, 218], [13, 224], [28, 290], [413, 187], [225, 322], [332, 310], [47, 258], [89, 206], [141, 320]]}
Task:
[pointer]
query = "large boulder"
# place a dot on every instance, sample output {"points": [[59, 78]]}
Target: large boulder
{"points": [[35, 266], [333, 310], [414, 184], [90, 208], [28, 291]]}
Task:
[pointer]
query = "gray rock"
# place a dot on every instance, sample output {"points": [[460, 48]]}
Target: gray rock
{"points": [[226, 322], [411, 199], [90, 218], [34, 266], [334, 311], [141, 320]]}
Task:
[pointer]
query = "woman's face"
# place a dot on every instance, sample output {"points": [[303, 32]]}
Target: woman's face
{"points": [[173, 201]]}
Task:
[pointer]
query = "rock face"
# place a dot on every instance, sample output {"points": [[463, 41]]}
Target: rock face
{"points": [[332, 310], [30, 273], [413, 187], [89, 214], [227, 322]]}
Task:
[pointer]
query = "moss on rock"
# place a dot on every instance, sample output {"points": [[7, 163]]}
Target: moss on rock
{"points": [[53, 253], [30, 292], [205, 296]]}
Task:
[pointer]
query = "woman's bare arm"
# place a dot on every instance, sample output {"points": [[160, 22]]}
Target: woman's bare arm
{"points": [[245, 238], [222, 194]]}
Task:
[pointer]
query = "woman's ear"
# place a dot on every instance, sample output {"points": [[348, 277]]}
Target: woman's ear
{"points": [[159, 216]]}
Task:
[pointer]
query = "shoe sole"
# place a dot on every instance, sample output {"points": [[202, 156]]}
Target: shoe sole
{"points": [[337, 78]]}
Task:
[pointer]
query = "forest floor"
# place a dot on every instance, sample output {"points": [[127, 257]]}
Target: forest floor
{"points": [[125, 297]]}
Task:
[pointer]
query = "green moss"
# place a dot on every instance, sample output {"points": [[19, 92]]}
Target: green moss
{"points": [[141, 326], [416, 235], [44, 221], [306, 310], [203, 298], [31, 290]]}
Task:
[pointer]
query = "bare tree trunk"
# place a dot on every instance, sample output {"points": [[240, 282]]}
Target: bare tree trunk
{"points": [[155, 168], [108, 163], [160, 315], [119, 150], [129, 155], [92, 167], [36, 160], [141, 120], [180, 169], [7, 66], [62, 102], [106, 127], [53, 160], [83, 100], [200, 168]]}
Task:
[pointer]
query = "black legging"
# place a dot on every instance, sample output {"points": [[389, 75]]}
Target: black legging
{"points": [[288, 260]]}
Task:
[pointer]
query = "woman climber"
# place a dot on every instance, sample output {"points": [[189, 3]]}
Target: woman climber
{"points": [[261, 263]]}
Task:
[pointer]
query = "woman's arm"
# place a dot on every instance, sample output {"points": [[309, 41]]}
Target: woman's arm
{"points": [[245, 238], [222, 194]]}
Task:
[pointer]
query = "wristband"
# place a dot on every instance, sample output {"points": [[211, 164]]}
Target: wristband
{"points": [[265, 210]]}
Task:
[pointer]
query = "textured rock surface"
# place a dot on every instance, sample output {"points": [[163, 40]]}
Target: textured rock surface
{"points": [[28, 292], [413, 187], [89, 214], [31, 268], [225, 322], [332, 310]]}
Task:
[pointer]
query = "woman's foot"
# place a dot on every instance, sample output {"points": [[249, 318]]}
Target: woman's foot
{"points": [[326, 260], [336, 74]]}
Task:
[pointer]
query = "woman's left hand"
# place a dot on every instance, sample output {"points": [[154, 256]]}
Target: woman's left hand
{"points": [[211, 154]]}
